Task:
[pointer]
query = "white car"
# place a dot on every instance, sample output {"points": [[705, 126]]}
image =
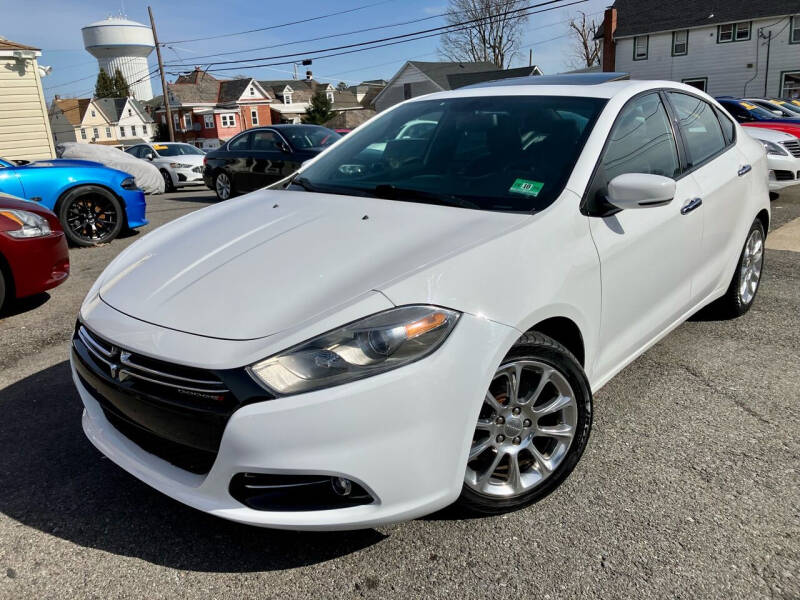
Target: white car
{"points": [[783, 156], [370, 345], [180, 164]]}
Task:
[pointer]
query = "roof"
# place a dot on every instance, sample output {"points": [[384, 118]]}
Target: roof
{"points": [[636, 17], [438, 71], [74, 109], [232, 89], [113, 107], [457, 80], [197, 87], [9, 45], [350, 119], [115, 21]]}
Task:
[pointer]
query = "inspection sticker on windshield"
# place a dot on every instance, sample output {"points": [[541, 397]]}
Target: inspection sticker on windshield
{"points": [[161, 147], [524, 186]]}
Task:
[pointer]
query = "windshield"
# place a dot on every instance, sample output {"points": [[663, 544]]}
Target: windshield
{"points": [[302, 137], [508, 153], [176, 149], [757, 111]]}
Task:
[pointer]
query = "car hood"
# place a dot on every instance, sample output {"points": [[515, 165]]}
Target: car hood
{"points": [[196, 160], [275, 260], [68, 163]]}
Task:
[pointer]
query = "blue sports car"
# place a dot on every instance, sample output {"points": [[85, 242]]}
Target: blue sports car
{"points": [[93, 202]]}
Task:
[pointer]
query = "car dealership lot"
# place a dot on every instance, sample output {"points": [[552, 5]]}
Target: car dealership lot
{"points": [[689, 486]]}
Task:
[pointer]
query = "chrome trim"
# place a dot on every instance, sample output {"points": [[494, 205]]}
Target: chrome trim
{"points": [[745, 170], [88, 339], [793, 147], [691, 205], [124, 359], [210, 392]]}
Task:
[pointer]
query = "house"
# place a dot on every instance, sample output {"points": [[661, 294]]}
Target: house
{"points": [[293, 96], [734, 47], [417, 78], [24, 126], [207, 111], [132, 124], [81, 120]]}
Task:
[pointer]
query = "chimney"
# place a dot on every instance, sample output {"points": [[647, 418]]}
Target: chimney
{"points": [[309, 76], [609, 45]]}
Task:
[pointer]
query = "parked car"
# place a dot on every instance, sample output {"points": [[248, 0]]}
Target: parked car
{"points": [[93, 203], [792, 105], [378, 340], [774, 107], [180, 164], [33, 250], [263, 155], [783, 156], [747, 113]]}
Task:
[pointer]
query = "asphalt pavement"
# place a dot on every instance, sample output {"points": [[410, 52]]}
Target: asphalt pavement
{"points": [[689, 487]]}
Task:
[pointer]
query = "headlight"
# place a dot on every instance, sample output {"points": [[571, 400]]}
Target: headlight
{"points": [[180, 166], [30, 224], [773, 148], [129, 183], [373, 345]]}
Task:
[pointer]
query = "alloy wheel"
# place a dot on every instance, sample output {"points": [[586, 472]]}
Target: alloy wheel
{"points": [[92, 218], [525, 428], [752, 262], [223, 186]]}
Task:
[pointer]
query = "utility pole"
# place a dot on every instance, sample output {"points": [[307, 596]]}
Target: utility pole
{"points": [[164, 93]]}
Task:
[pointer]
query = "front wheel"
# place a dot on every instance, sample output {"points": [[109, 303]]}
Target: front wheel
{"points": [[223, 186], [168, 185], [90, 215], [532, 427]]}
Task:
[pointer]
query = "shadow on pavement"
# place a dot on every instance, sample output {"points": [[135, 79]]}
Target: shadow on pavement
{"points": [[17, 307], [53, 479]]}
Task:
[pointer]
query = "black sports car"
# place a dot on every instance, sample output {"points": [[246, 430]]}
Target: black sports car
{"points": [[263, 155]]}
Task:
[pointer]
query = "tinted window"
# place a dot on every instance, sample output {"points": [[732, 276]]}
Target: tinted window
{"points": [[641, 141], [178, 150], [265, 141], [510, 153], [240, 143], [728, 129], [699, 126], [302, 137]]}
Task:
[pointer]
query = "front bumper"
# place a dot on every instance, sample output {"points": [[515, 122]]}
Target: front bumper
{"points": [[784, 171], [402, 435], [187, 177], [135, 206], [37, 264]]}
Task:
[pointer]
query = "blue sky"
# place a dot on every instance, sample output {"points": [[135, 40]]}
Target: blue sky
{"points": [[54, 26]]}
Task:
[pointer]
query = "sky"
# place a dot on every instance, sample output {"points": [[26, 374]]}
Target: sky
{"points": [[55, 27]]}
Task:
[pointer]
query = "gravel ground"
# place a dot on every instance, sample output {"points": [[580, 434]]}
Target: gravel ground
{"points": [[689, 487]]}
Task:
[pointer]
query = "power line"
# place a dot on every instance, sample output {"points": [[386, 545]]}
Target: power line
{"points": [[298, 22]]}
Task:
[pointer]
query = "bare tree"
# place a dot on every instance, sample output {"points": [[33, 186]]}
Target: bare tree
{"points": [[586, 49], [495, 38]]}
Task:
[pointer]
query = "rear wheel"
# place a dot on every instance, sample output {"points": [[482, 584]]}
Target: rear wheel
{"points": [[168, 185], [90, 215], [746, 279], [532, 428], [223, 186]]}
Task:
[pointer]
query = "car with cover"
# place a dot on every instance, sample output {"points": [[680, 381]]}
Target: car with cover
{"points": [[181, 165], [382, 335], [94, 203]]}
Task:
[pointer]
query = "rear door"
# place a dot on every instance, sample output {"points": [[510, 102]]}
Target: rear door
{"points": [[647, 255], [722, 176], [268, 158], [238, 161]]}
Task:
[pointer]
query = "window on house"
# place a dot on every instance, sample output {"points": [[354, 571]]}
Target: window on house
{"points": [[680, 42], [83, 134], [794, 32], [130, 112], [108, 132], [187, 120], [254, 116], [122, 131], [93, 114], [406, 91], [228, 120], [733, 32], [208, 121], [95, 133], [164, 119], [252, 91], [144, 129], [330, 97], [640, 47], [287, 98], [133, 129], [701, 83]]}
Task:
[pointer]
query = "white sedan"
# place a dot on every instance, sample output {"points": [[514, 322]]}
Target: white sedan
{"points": [[783, 156], [399, 330], [180, 164]]}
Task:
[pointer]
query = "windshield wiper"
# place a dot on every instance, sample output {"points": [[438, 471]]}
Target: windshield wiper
{"points": [[392, 192], [303, 183]]}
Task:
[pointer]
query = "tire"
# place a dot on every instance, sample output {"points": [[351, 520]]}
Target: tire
{"points": [[223, 186], [91, 215], [168, 185], [538, 427], [741, 294]]}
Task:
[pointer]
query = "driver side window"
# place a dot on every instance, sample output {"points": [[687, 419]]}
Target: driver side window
{"points": [[240, 143]]}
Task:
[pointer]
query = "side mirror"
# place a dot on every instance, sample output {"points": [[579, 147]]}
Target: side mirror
{"points": [[640, 190], [777, 113], [283, 147], [149, 156]]}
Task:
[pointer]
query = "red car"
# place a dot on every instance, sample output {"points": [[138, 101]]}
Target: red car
{"points": [[33, 249], [790, 128]]}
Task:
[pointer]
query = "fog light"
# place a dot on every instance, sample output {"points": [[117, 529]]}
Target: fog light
{"points": [[772, 176], [342, 486]]}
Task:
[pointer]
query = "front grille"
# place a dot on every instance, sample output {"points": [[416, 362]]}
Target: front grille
{"points": [[784, 175], [793, 146], [197, 170], [173, 411]]}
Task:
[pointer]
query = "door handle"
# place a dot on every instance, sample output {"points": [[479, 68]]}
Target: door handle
{"points": [[691, 205], [745, 170]]}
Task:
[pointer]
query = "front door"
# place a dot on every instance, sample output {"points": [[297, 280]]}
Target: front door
{"points": [[647, 256], [268, 159], [9, 181]]}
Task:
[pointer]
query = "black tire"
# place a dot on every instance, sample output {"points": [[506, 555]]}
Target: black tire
{"points": [[540, 348], [168, 185], [219, 187], [734, 304], [91, 215]]}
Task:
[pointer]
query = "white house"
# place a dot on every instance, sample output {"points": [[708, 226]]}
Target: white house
{"points": [[132, 123], [734, 47]]}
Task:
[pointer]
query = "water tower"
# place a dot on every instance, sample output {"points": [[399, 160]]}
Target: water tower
{"points": [[118, 43]]}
